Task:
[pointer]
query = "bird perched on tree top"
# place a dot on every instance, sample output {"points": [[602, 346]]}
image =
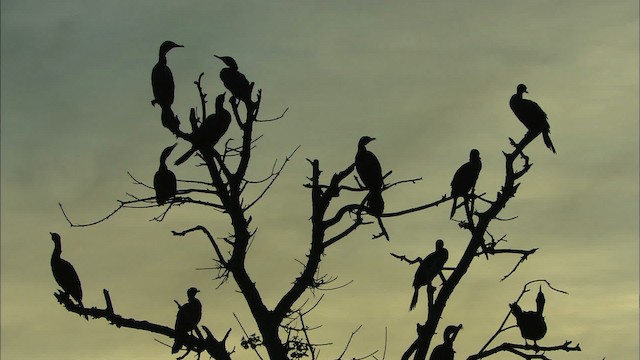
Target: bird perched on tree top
{"points": [[164, 181], [211, 130], [234, 80], [162, 79], [187, 319], [531, 323], [465, 178], [429, 268], [531, 116], [64, 273], [445, 350]]}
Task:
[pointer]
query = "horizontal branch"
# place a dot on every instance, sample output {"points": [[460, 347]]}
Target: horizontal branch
{"points": [[192, 343], [519, 349]]}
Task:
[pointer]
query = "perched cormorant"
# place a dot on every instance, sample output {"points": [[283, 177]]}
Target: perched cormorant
{"points": [[161, 77], [368, 166], [164, 182], [429, 268], [531, 116], [169, 119], [531, 323], [64, 273], [187, 319], [234, 80], [465, 178], [211, 130], [445, 350]]}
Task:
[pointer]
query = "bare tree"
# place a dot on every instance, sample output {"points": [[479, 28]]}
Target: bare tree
{"points": [[283, 333]]}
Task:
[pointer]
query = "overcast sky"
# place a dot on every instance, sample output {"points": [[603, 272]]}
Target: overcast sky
{"points": [[428, 81]]}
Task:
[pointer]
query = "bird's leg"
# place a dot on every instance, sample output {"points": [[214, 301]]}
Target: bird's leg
{"points": [[442, 277], [384, 231]]}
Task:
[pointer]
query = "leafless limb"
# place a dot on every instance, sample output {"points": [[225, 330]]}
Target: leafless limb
{"points": [[274, 177], [203, 96], [108, 313], [213, 242], [276, 118]]}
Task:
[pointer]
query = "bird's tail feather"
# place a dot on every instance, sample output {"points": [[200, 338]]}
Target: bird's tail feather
{"points": [[453, 208], [185, 156], [177, 344], [414, 300], [547, 141]]}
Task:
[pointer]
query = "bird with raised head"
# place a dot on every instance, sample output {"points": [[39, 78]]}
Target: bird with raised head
{"points": [[234, 80], [532, 117], [162, 78], [64, 273], [430, 267], [465, 178], [445, 350], [531, 323], [187, 319], [164, 181], [210, 132]]}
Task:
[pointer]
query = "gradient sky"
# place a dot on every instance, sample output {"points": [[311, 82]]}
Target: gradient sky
{"points": [[429, 81]]}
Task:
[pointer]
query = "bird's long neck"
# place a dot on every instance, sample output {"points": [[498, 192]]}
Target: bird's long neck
{"points": [[162, 58], [57, 251]]}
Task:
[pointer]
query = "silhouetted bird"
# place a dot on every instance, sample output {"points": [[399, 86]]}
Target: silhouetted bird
{"points": [[161, 77], [368, 166], [531, 323], [211, 130], [164, 182], [64, 273], [429, 268], [465, 178], [234, 80], [169, 119], [187, 319], [531, 116], [445, 350]]}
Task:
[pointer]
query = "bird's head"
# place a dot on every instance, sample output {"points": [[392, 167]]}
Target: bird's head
{"points": [[168, 45], [220, 101], [515, 309], [365, 140], [166, 152], [451, 332], [191, 293], [474, 155], [229, 61], [540, 301], [55, 237], [439, 244], [522, 88]]}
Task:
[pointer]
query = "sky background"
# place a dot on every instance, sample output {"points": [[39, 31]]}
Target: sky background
{"points": [[429, 80]]}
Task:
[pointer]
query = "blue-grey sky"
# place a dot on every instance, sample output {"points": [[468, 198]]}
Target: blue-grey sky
{"points": [[429, 80]]}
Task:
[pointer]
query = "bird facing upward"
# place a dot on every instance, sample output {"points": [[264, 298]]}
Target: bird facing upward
{"points": [[445, 350], [211, 130], [162, 78], [531, 323], [64, 273], [187, 319], [164, 181], [429, 268], [234, 80], [532, 116], [465, 178]]}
